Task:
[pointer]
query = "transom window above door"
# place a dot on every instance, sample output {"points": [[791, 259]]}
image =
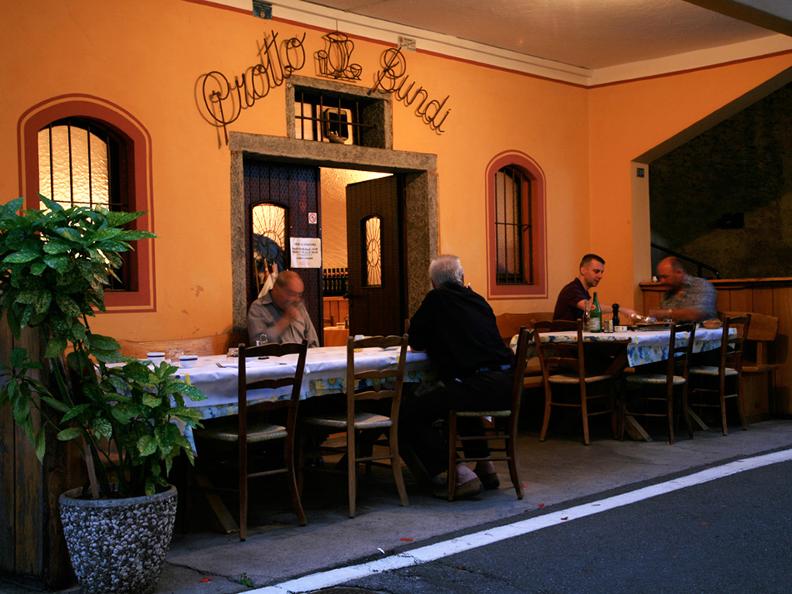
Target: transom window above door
{"points": [[337, 113]]}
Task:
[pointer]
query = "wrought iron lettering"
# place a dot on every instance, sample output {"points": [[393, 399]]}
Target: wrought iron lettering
{"points": [[334, 61], [223, 100], [393, 78]]}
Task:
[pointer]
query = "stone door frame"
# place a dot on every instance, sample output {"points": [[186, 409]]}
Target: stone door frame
{"points": [[419, 171]]}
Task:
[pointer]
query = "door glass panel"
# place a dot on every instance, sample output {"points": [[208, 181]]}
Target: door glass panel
{"points": [[269, 240], [372, 251]]}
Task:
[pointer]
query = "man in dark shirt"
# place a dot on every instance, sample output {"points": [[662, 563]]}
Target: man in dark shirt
{"points": [[456, 327], [574, 298]]}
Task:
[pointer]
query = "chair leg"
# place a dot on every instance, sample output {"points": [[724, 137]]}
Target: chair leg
{"points": [[614, 412], [584, 414], [396, 465], [740, 401], [686, 410], [452, 454], [670, 416], [243, 491], [351, 471], [722, 396], [293, 485], [511, 452], [547, 409]]}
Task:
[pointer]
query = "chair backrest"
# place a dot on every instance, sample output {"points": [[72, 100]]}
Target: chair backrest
{"points": [[294, 380], [520, 360], [560, 356], [731, 349], [679, 351], [510, 324], [762, 332], [378, 384]]}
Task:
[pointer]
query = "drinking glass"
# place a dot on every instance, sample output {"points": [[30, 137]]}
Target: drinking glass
{"points": [[262, 339]]}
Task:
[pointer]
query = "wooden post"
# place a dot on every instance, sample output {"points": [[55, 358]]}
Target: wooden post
{"points": [[31, 536]]}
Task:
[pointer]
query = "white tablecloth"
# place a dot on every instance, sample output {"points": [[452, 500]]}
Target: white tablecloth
{"points": [[325, 370]]}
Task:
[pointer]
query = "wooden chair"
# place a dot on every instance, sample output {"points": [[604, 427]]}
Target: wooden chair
{"points": [[507, 432], [364, 387], [661, 387], [758, 371], [252, 425], [724, 379], [563, 366]]}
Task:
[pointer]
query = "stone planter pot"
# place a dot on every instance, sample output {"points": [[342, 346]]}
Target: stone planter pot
{"points": [[118, 545]]}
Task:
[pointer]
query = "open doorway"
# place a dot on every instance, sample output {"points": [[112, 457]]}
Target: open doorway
{"points": [[361, 253], [416, 179]]}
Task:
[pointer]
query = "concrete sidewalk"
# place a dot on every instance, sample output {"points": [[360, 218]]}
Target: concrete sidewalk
{"points": [[556, 471]]}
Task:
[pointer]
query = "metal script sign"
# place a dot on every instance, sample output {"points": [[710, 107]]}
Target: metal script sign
{"points": [[224, 100], [334, 61], [393, 78]]}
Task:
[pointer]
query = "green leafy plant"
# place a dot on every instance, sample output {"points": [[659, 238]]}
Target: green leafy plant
{"points": [[128, 415]]}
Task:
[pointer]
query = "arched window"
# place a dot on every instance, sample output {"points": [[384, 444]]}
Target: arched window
{"points": [[82, 150], [515, 227]]}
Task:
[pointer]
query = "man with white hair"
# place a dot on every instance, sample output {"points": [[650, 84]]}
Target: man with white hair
{"points": [[456, 327]]}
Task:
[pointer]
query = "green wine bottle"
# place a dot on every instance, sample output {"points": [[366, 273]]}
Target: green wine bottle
{"points": [[595, 316]]}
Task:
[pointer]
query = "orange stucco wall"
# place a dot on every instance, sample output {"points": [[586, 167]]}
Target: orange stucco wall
{"points": [[147, 55], [627, 120]]}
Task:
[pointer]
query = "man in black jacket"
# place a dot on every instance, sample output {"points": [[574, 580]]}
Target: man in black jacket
{"points": [[456, 327]]}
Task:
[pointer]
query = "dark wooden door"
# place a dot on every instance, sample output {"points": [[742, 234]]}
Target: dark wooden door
{"points": [[296, 189], [376, 287]]}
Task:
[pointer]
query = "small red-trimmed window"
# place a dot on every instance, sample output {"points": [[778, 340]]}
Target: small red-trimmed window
{"points": [[84, 151], [515, 229], [82, 162]]}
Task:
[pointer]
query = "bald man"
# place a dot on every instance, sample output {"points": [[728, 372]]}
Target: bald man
{"points": [[281, 314], [687, 298]]}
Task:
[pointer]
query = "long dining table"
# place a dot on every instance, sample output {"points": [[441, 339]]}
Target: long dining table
{"points": [[642, 347], [325, 373]]}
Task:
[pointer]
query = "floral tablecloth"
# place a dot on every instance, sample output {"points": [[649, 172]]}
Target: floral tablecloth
{"points": [[645, 346]]}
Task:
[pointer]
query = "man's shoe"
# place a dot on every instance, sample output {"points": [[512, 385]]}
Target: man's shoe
{"points": [[469, 489], [490, 481]]}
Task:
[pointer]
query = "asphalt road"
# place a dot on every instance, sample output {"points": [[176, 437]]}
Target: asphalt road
{"points": [[729, 535]]}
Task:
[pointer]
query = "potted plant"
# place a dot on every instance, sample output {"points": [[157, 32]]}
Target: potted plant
{"points": [[55, 264]]}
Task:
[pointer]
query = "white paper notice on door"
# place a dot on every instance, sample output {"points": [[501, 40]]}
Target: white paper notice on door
{"points": [[306, 252]]}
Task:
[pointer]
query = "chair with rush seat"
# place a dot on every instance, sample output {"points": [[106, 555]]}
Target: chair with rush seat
{"points": [[259, 423], [563, 368], [725, 379], [647, 390], [504, 426], [375, 390]]}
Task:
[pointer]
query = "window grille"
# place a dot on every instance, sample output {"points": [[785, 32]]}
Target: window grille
{"points": [[330, 117], [513, 227], [80, 164]]}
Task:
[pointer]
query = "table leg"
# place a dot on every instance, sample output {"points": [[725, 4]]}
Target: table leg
{"points": [[224, 517], [697, 420], [635, 430]]}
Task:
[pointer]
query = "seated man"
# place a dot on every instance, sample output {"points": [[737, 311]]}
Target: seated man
{"points": [[456, 327], [574, 299], [280, 314], [688, 298]]}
